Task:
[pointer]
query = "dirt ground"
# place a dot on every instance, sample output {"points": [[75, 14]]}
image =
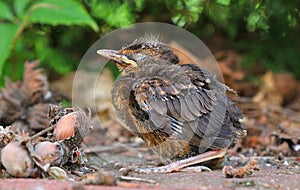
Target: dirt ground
{"points": [[272, 174]]}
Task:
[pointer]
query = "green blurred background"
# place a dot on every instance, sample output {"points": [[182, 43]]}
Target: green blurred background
{"points": [[59, 32]]}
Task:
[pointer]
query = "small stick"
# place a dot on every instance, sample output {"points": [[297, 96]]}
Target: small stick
{"points": [[111, 148], [100, 149], [94, 167], [79, 174], [42, 132], [128, 178]]}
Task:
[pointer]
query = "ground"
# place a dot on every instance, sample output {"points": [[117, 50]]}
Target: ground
{"points": [[272, 175]]}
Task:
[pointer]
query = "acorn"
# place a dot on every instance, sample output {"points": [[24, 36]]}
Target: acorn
{"points": [[16, 160]]}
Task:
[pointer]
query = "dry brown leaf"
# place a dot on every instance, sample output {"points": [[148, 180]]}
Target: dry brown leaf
{"points": [[10, 103], [37, 116], [268, 93], [35, 84], [286, 85]]}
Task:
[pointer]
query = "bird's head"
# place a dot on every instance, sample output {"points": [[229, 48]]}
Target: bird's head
{"points": [[130, 56]]}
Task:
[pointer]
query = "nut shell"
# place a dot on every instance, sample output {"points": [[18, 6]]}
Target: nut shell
{"points": [[47, 153], [58, 173], [65, 127], [16, 160]]}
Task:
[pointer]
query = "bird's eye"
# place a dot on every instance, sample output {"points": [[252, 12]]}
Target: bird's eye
{"points": [[139, 56]]}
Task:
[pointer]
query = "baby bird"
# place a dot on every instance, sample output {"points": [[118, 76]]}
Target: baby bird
{"points": [[181, 112]]}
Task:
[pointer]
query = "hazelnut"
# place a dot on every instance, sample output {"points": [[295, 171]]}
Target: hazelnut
{"points": [[65, 127], [58, 173], [74, 126], [48, 153], [16, 160]]}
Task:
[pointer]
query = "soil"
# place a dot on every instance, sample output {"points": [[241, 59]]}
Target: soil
{"points": [[272, 174]]}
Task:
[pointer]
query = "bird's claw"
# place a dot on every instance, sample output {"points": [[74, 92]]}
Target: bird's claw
{"points": [[205, 168], [126, 171], [196, 169]]}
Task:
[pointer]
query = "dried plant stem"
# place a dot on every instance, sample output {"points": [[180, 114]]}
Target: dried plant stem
{"points": [[22, 26], [42, 132], [128, 178]]}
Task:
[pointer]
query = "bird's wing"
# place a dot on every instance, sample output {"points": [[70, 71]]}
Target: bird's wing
{"points": [[188, 103], [172, 105], [223, 122]]}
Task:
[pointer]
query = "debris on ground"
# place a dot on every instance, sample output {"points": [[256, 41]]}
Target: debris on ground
{"points": [[98, 178], [24, 104], [52, 154], [39, 137], [241, 172], [270, 105]]}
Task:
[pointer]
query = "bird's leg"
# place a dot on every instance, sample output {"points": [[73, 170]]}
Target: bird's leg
{"points": [[181, 165]]}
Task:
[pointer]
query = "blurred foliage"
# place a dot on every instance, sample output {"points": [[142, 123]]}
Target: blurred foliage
{"points": [[58, 32]]}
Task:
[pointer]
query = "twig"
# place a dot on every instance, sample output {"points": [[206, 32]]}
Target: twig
{"points": [[112, 148], [94, 167], [99, 149], [22, 26], [79, 174], [128, 178], [42, 132]]}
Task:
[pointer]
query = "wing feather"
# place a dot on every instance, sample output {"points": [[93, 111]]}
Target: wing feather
{"points": [[194, 107], [172, 105], [191, 106]]}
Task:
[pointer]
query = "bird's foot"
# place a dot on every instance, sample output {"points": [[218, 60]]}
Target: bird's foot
{"points": [[127, 171], [181, 165], [164, 169]]}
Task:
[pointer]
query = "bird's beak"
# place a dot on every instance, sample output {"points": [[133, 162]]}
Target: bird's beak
{"points": [[116, 56], [110, 54]]}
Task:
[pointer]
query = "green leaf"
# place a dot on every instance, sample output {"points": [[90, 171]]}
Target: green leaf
{"points": [[9, 31], [5, 12], [117, 15], [253, 19], [58, 61], [19, 7], [257, 5], [58, 12], [224, 2], [292, 21], [179, 20], [139, 4]]}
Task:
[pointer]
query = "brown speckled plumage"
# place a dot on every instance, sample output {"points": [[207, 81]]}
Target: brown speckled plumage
{"points": [[180, 111]]}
